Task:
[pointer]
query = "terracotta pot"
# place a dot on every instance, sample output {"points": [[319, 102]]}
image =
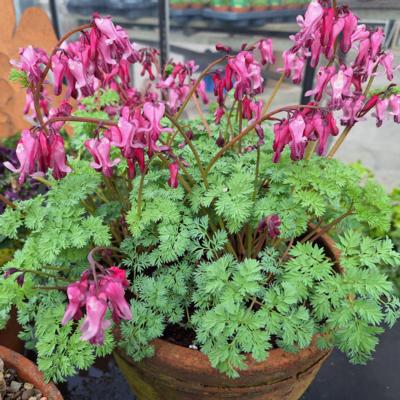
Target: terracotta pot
{"points": [[28, 372], [9, 336], [220, 8], [179, 373], [197, 6], [183, 6], [240, 9], [261, 8]]}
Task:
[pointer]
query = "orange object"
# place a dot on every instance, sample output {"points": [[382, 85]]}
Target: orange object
{"points": [[34, 29]]}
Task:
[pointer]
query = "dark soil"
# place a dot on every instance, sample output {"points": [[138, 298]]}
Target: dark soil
{"points": [[179, 335], [12, 388]]}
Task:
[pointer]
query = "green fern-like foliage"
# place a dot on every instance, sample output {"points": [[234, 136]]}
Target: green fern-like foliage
{"points": [[197, 261]]}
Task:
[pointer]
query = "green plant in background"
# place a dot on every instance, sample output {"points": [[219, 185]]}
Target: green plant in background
{"points": [[219, 3]]}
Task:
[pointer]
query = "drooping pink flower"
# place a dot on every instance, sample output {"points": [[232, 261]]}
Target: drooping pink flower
{"points": [[394, 101], [114, 290], [377, 39], [154, 112], [76, 293], [94, 324], [351, 111], [324, 75], [32, 61], [294, 64], [106, 291], [267, 53], [335, 32], [340, 84], [57, 157], [325, 126], [282, 138], [380, 111], [173, 173], [298, 141], [27, 150], [350, 26], [246, 74], [100, 150], [387, 61]]}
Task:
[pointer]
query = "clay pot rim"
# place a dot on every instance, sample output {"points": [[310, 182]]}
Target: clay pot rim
{"points": [[28, 372], [185, 359]]}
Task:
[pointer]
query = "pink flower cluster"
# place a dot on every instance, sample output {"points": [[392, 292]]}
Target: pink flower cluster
{"points": [[303, 126], [106, 292], [178, 82], [243, 74], [37, 152], [101, 57]]}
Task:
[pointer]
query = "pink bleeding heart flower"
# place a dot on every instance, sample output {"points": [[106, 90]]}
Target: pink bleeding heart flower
{"points": [[386, 60], [57, 157], [324, 127], [173, 173], [27, 150], [267, 53], [341, 83], [377, 39], [114, 290], [350, 27], [154, 112], [363, 55], [31, 61], [323, 77], [351, 111], [336, 30], [76, 293], [380, 111], [395, 107], [94, 324], [361, 33], [202, 93], [64, 110], [298, 141], [294, 64], [282, 138], [100, 150]]}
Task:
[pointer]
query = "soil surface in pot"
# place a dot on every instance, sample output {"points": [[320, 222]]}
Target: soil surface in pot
{"points": [[337, 379], [13, 388]]}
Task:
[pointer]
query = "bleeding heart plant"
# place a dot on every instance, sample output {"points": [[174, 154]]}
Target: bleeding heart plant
{"points": [[217, 218]]}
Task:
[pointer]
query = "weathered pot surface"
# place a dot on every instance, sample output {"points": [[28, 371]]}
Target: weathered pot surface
{"points": [[9, 335], [29, 373], [179, 373]]}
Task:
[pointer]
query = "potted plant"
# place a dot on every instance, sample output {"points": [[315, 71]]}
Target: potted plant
{"points": [[198, 4], [260, 5], [215, 258], [179, 4], [30, 381], [240, 6], [220, 5], [276, 4]]}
